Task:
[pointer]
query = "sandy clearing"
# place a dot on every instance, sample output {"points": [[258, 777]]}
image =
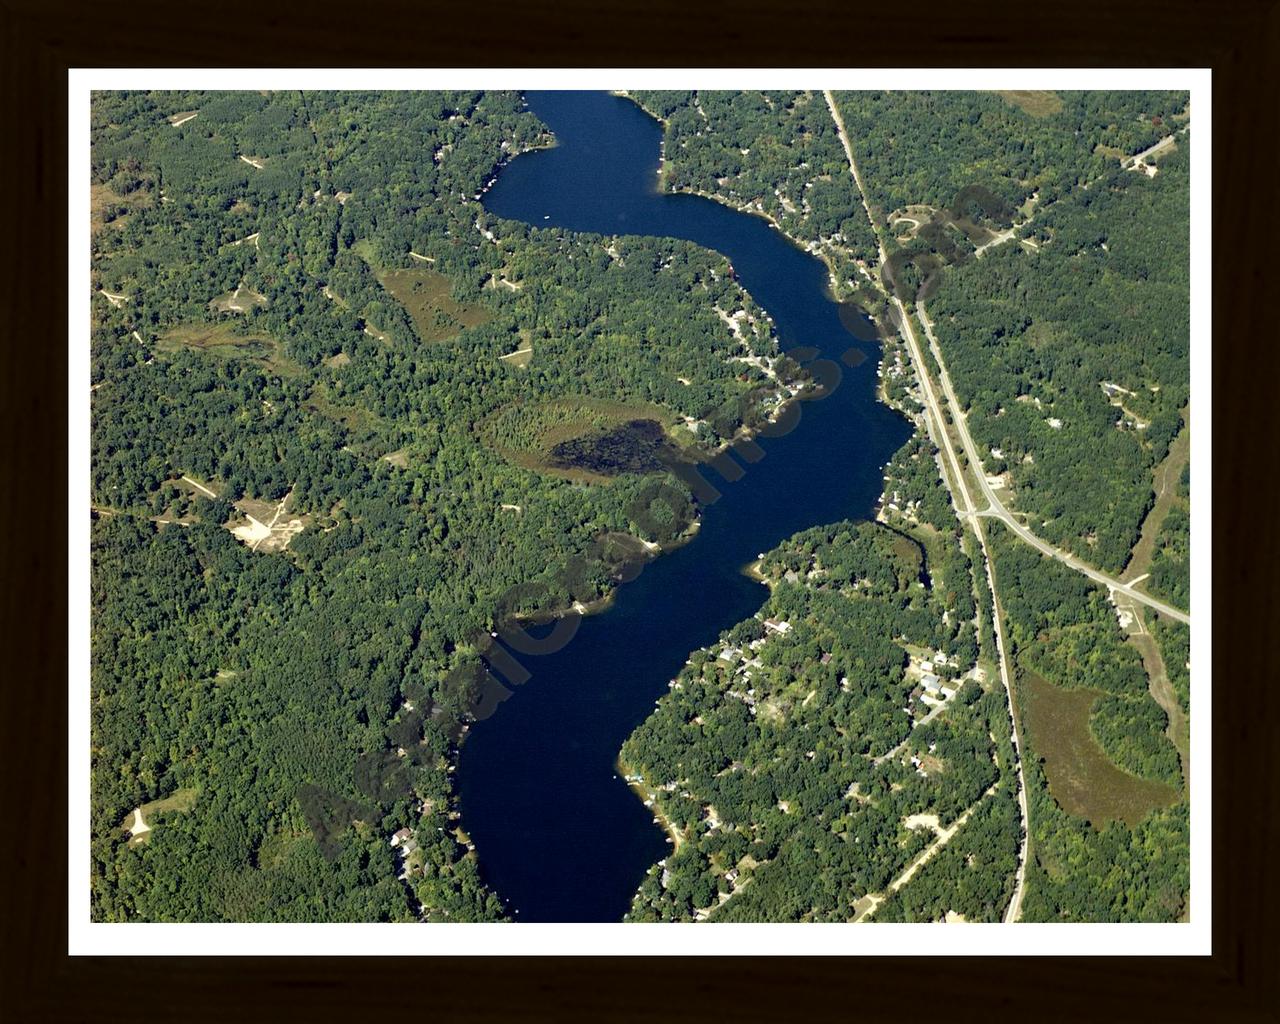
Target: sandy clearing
{"points": [[253, 534], [139, 827], [252, 162], [178, 120], [421, 258], [929, 821], [115, 300], [269, 536]]}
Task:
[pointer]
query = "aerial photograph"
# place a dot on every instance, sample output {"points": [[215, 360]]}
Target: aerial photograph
{"points": [[609, 507]]}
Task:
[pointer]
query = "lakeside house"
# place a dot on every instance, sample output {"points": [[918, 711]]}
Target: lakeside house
{"points": [[779, 626]]}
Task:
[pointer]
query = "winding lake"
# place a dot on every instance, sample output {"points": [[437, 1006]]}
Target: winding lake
{"points": [[559, 835]]}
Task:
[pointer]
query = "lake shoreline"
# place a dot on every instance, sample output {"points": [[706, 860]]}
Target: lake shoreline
{"points": [[607, 680], [650, 798]]}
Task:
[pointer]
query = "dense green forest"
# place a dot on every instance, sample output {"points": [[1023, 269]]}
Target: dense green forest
{"points": [[788, 763], [319, 329], [922, 147], [776, 153], [307, 330], [1171, 559], [1080, 345], [1175, 647]]}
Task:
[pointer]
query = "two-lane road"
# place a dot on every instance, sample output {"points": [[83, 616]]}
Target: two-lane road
{"points": [[995, 507]]}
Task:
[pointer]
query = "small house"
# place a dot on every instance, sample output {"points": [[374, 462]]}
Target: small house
{"points": [[399, 837]]}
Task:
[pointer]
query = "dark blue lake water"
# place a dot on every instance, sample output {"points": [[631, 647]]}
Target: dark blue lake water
{"points": [[559, 835]]}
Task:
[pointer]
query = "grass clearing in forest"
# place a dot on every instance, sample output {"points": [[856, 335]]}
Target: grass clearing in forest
{"points": [[527, 434], [1036, 102], [1082, 779], [221, 340], [140, 822], [427, 296], [1164, 483], [239, 301], [108, 208], [521, 357], [355, 418]]}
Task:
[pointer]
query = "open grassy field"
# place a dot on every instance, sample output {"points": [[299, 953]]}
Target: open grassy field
{"points": [[1082, 779], [1036, 102], [241, 300], [427, 297], [221, 340], [527, 435]]}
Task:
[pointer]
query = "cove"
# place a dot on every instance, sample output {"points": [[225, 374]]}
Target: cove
{"points": [[559, 835]]}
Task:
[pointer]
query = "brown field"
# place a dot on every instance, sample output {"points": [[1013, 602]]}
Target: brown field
{"points": [[222, 341], [104, 200], [1082, 779], [426, 296], [1036, 102]]}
